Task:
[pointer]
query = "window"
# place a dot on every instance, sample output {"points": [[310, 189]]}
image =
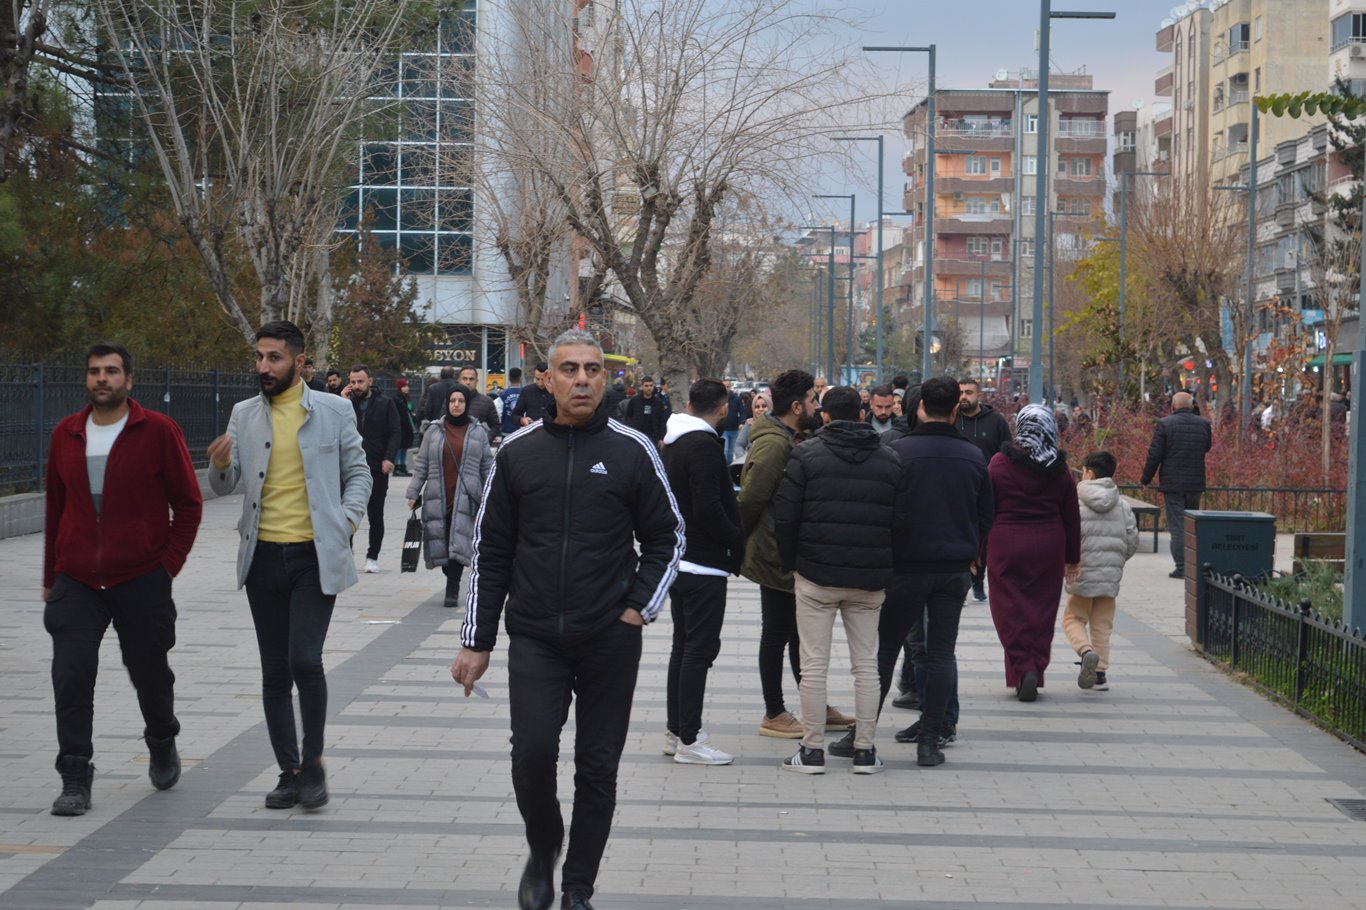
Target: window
{"points": [[1257, 28], [1238, 37], [1257, 79], [1349, 29], [1026, 328], [996, 167], [1081, 167], [977, 246], [1127, 141], [998, 289], [996, 247], [982, 205], [1062, 167], [1029, 164], [1027, 205], [973, 289], [1031, 123], [975, 164], [1026, 249]]}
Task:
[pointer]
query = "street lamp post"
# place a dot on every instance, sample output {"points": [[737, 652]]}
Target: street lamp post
{"points": [[982, 320], [1041, 206], [849, 342], [830, 310], [880, 213], [926, 360]]}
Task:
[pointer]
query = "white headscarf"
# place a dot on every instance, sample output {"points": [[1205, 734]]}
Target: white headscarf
{"points": [[1036, 434]]}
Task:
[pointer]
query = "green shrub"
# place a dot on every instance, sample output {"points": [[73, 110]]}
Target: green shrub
{"points": [[1321, 583]]}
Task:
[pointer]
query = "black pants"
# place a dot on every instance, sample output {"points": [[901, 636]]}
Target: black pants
{"points": [[291, 614], [777, 632], [453, 571], [374, 512], [543, 679], [939, 598], [697, 604], [1177, 504], [893, 624], [143, 615]]}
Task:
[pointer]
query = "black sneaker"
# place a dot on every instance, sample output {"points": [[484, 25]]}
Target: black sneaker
{"points": [[1178, 572], [866, 761], [573, 900], [163, 766], [979, 592], [313, 786], [927, 754], [909, 734], [806, 761], [1102, 684], [1028, 689], [947, 734], [286, 792], [843, 747]]}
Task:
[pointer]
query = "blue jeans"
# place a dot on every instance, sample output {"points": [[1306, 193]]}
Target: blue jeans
{"points": [[730, 436], [291, 614]]}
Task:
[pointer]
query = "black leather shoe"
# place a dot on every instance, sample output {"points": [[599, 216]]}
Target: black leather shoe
{"points": [[927, 754], [574, 901], [537, 888], [313, 786], [163, 766], [908, 702], [1028, 690], [286, 792]]}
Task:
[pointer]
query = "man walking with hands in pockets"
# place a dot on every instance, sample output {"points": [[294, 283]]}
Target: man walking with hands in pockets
{"points": [[553, 541], [300, 462]]}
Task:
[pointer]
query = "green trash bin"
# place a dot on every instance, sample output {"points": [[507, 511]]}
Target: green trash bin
{"points": [[1230, 543]]}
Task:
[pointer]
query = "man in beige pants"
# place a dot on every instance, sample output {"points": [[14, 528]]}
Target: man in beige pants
{"points": [[840, 498]]}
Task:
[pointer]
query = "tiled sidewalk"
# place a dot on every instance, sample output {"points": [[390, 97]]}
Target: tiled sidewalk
{"points": [[1179, 788]]}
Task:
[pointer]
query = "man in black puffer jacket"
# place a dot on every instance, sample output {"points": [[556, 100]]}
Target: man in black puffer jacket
{"points": [[554, 540], [841, 497], [700, 479], [1177, 453]]}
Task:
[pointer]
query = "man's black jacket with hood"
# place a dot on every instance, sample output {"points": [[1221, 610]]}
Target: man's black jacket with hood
{"points": [[841, 498]]}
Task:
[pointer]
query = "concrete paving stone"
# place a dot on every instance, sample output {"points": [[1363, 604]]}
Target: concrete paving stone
{"points": [[1178, 788]]}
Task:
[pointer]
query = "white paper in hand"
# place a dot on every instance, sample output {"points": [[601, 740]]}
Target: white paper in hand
{"points": [[479, 690]]}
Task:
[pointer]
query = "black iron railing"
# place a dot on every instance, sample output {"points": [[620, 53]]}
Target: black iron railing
{"points": [[34, 397], [1314, 665], [1295, 508]]}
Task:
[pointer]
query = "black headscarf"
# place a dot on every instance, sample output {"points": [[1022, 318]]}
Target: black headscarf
{"points": [[464, 418]]}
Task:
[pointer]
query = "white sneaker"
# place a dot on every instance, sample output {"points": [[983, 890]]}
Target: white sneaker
{"points": [[372, 567], [701, 752], [670, 743]]}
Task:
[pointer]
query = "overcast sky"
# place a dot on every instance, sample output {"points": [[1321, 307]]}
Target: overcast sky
{"points": [[975, 38]]}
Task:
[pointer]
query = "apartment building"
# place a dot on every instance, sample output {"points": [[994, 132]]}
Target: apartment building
{"points": [[1224, 52], [986, 162]]}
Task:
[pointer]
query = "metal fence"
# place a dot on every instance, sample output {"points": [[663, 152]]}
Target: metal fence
{"points": [[34, 397], [1315, 665], [1295, 508]]}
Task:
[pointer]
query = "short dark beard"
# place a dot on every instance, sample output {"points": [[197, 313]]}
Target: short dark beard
{"points": [[282, 385], [118, 401], [973, 413]]}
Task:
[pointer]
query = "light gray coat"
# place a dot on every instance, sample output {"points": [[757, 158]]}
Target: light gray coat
{"points": [[335, 474], [429, 467], [1109, 536]]}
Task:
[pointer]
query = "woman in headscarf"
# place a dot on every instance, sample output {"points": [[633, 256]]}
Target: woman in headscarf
{"points": [[1034, 543], [449, 471], [760, 403]]}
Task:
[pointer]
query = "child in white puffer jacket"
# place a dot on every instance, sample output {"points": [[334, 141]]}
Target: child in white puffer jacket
{"points": [[1109, 536]]}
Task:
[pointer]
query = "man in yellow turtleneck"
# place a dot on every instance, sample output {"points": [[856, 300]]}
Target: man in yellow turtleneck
{"points": [[297, 455]]}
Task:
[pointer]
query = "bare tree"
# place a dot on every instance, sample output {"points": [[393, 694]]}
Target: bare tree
{"points": [[1187, 244], [676, 106], [251, 113]]}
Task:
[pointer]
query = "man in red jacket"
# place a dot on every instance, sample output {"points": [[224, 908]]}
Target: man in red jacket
{"points": [[123, 507]]}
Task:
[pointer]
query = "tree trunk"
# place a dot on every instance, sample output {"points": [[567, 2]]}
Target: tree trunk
{"points": [[320, 330]]}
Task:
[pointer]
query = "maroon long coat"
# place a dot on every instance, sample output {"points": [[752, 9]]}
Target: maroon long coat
{"points": [[1037, 530]]}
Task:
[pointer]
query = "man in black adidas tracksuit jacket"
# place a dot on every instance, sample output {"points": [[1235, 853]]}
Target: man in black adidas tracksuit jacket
{"points": [[553, 540]]}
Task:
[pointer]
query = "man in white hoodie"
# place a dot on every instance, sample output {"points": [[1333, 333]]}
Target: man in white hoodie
{"points": [[1109, 537], [695, 463]]}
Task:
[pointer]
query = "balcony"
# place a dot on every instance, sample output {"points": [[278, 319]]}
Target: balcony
{"points": [[981, 129], [1162, 86], [1165, 38], [1081, 127], [1163, 125], [973, 183], [960, 264], [1079, 186], [1082, 145]]}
